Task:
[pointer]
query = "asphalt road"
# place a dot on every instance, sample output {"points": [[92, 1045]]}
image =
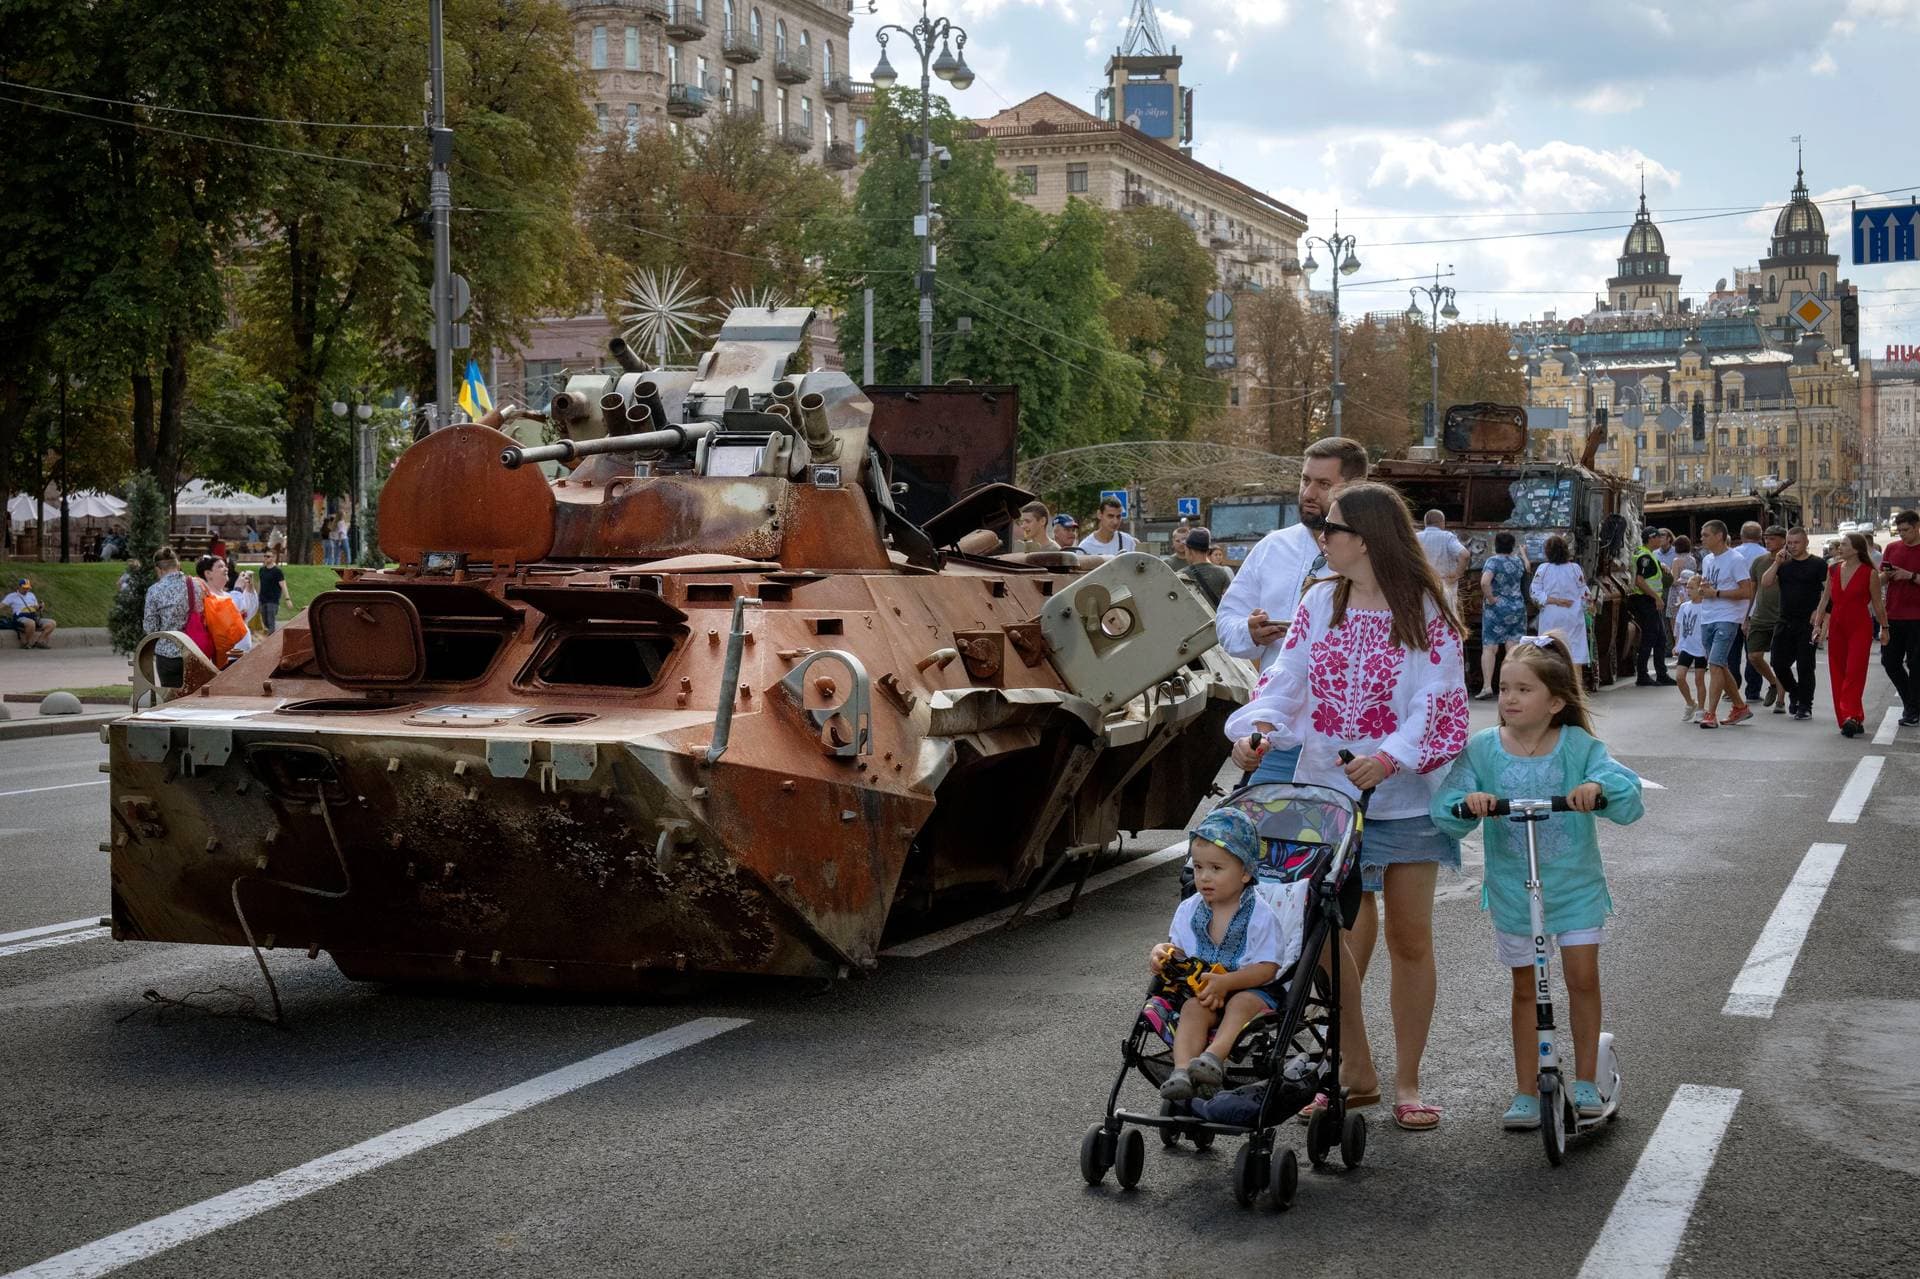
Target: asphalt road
{"points": [[926, 1120]]}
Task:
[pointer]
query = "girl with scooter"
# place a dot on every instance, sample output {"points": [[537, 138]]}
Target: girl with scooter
{"points": [[1544, 746]]}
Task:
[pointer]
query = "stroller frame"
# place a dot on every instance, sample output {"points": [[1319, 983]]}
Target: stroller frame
{"points": [[1306, 1023]]}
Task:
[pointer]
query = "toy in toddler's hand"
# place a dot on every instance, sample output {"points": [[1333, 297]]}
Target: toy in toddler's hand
{"points": [[1182, 974]]}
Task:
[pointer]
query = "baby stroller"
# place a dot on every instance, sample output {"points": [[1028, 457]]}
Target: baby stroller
{"points": [[1310, 838]]}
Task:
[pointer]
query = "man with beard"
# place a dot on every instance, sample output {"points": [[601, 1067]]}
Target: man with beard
{"points": [[1255, 612]]}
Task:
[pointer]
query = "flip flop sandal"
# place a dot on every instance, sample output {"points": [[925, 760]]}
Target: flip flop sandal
{"points": [[1352, 1100], [1406, 1110]]}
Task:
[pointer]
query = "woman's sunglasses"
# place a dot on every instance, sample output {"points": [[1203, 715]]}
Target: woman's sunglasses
{"points": [[1328, 526]]}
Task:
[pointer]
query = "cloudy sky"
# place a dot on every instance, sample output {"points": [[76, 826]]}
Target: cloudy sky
{"points": [[1425, 120]]}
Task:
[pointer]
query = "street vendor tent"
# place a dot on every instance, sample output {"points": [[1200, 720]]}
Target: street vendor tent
{"points": [[198, 500], [20, 509], [80, 506]]}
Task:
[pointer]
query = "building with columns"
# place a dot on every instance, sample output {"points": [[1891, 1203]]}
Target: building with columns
{"points": [[1890, 410]]}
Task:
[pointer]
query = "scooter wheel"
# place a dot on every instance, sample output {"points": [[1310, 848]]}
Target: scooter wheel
{"points": [[1129, 1158], [1283, 1180], [1555, 1120], [1095, 1155], [1353, 1139]]}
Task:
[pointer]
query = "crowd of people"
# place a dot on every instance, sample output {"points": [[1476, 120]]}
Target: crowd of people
{"points": [[215, 609], [1351, 617], [1195, 555]]}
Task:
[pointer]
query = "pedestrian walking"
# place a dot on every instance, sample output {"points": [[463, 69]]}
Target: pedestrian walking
{"points": [[1647, 602], [1763, 620], [1723, 605], [1503, 608], [273, 591], [1560, 589], [1030, 532], [1752, 546], [1371, 665], [1265, 594], [1683, 560], [27, 616], [1900, 654], [1196, 550], [168, 607], [1690, 649], [1109, 539], [218, 614], [1174, 559], [1544, 746], [1849, 613], [1801, 580], [1445, 552]]}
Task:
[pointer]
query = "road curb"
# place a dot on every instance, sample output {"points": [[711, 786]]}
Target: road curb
{"points": [[54, 725]]}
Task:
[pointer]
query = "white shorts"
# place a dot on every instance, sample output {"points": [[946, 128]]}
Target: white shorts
{"points": [[1515, 950]]}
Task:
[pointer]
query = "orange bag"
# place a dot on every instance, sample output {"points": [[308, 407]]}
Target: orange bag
{"points": [[225, 625]]}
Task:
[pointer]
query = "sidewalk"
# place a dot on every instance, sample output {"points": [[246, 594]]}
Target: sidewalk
{"points": [[35, 670]]}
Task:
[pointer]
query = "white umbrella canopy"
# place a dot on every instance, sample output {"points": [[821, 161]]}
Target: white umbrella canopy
{"points": [[20, 509], [89, 506], [197, 498]]}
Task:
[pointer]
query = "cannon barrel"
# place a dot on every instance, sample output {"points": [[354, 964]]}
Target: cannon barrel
{"points": [[671, 438], [624, 356]]}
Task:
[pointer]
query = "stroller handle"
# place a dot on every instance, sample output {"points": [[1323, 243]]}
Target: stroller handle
{"points": [[1504, 807]]}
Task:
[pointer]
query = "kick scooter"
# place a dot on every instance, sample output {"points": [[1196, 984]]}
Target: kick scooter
{"points": [[1558, 1117]]}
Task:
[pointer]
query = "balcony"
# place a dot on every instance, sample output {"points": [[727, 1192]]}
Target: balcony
{"points": [[840, 155], [1136, 200], [685, 21], [644, 8], [796, 137], [838, 89], [740, 46], [686, 101], [1219, 237], [792, 64], [1259, 253]]}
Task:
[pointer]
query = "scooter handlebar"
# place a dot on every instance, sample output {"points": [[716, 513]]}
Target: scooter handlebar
{"points": [[1504, 807]]}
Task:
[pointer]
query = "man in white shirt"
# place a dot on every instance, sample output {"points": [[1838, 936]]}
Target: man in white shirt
{"points": [[28, 617], [1729, 588], [1254, 614], [1109, 539], [1751, 548], [1445, 552]]}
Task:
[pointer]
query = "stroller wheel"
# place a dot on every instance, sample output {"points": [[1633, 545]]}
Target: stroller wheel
{"points": [[1095, 1155], [1320, 1136], [1283, 1179], [1130, 1157], [1249, 1173], [1353, 1139], [1201, 1138], [1169, 1137]]}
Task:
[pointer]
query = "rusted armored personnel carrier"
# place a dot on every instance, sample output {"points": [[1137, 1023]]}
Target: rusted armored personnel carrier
{"points": [[1488, 485], [699, 700]]}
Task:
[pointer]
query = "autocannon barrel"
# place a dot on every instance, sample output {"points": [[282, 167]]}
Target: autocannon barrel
{"points": [[673, 437]]}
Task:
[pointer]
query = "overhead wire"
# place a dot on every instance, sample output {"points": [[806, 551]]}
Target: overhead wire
{"points": [[212, 115], [217, 141]]}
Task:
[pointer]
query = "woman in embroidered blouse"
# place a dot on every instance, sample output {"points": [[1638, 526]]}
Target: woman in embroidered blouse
{"points": [[1372, 664], [1560, 589]]}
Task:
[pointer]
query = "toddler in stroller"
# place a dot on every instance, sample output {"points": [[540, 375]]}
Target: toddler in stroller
{"points": [[1240, 1029]]}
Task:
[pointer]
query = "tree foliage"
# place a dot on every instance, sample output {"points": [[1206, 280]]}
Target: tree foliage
{"points": [[146, 533], [1162, 277]]}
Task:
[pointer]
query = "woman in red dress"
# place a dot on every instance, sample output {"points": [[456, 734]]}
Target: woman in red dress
{"points": [[1850, 612]]}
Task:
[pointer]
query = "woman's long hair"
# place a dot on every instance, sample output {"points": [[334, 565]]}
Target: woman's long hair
{"points": [[1860, 547], [1378, 514]]}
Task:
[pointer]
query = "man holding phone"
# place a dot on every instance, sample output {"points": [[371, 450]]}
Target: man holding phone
{"points": [[1900, 655]]}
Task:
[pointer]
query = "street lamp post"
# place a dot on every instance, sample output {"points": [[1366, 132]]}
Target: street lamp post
{"points": [[1440, 305], [362, 413], [1340, 253], [951, 67]]}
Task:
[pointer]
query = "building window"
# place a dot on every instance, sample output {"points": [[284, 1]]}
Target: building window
{"points": [[780, 37], [1733, 399], [599, 48], [700, 71], [633, 120], [1026, 180], [673, 64], [1823, 284], [806, 45], [759, 98], [780, 107], [806, 115], [726, 16], [826, 122], [753, 24], [733, 89], [600, 116], [633, 48], [1233, 396], [859, 133], [1773, 288], [1077, 178], [826, 61]]}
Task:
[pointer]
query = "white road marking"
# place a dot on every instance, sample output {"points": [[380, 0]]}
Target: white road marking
{"points": [[1649, 1219], [65, 939], [1646, 784], [35, 790], [1889, 725], [103, 1256], [1853, 798], [45, 929], [1764, 976], [931, 942]]}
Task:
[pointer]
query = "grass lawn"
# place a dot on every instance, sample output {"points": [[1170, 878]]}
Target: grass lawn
{"points": [[82, 594]]}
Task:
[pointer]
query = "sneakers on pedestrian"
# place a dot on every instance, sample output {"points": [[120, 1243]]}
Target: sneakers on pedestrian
{"points": [[1687, 713], [1803, 714], [1772, 696], [1587, 1101], [1666, 681], [1523, 1115], [1739, 715], [1708, 721], [1910, 720], [1644, 681], [1779, 708]]}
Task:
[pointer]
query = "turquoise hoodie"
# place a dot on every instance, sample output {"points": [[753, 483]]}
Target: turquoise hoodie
{"points": [[1573, 886]]}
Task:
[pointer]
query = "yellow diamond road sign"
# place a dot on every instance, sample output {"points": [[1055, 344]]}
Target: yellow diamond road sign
{"points": [[1810, 311]]}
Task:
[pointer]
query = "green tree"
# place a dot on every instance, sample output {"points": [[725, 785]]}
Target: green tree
{"points": [[146, 533], [1158, 316], [232, 423]]}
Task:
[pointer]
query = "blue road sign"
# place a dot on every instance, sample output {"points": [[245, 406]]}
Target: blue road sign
{"points": [[1188, 507], [1118, 495], [1885, 234]]}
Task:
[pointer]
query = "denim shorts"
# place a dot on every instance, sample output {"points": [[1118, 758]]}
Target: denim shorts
{"points": [[1392, 841], [1719, 638]]}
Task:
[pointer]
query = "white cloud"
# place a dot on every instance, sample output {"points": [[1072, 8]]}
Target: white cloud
{"points": [[1553, 176], [1176, 26], [1233, 60], [1824, 64], [1611, 100]]}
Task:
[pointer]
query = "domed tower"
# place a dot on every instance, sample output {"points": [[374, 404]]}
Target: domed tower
{"points": [[1646, 281], [1797, 261]]}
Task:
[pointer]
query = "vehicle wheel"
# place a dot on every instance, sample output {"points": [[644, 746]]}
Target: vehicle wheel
{"points": [[1169, 1137], [1353, 1139], [1249, 1173], [1319, 1137], [1201, 1138], [1283, 1179], [1095, 1156], [1553, 1126], [1130, 1157]]}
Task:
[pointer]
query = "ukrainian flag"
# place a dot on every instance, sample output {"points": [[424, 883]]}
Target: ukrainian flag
{"points": [[473, 392]]}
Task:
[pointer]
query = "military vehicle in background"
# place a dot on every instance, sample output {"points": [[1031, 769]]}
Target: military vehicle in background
{"points": [[1685, 515], [1240, 521], [680, 691], [1486, 484]]}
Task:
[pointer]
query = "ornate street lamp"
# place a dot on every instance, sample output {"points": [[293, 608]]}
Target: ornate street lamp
{"points": [[1340, 248], [1440, 303]]}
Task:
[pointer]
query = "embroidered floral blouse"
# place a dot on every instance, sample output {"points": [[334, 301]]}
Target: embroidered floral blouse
{"points": [[1351, 687]]}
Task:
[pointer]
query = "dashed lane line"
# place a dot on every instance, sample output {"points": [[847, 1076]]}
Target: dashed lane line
{"points": [[1650, 1217], [931, 942], [45, 929], [37, 790], [1889, 725], [150, 1238], [1764, 976], [46, 943], [1853, 798]]}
